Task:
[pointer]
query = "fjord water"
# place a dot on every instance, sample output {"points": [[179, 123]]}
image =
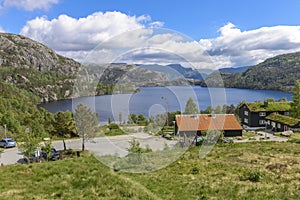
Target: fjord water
{"points": [[153, 100]]}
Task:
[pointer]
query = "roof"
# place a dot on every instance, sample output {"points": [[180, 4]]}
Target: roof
{"points": [[272, 106], [203, 122], [290, 121]]}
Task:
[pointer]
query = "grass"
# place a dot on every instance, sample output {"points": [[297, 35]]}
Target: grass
{"points": [[256, 170], [272, 106], [249, 134], [294, 138], [284, 119]]}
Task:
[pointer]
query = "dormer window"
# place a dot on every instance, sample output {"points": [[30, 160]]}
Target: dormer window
{"points": [[262, 114], [287, 113]]}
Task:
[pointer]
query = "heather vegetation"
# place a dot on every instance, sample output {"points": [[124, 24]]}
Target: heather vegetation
{"points": [[266, 170]]}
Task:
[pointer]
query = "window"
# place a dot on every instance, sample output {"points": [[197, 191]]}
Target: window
{"points": [[262, 122], [278, 125], [286, 113], [262, 114], [246, 112], [246, 120], [273, 124]]}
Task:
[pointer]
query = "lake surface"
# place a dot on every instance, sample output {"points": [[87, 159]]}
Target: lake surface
{"points": [[158, 100]]}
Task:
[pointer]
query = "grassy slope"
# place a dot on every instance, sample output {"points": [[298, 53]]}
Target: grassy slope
{"points": [[220, 176]]}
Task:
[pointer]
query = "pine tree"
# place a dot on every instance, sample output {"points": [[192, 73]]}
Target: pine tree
{"points": [[295, 106], [64, 125]]}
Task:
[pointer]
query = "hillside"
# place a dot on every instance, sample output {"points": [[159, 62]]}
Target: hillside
{"points": [[36, 68], [277, 73], [20, 51], [175, 71], [235, 171], [232, 70], [137, 75]]}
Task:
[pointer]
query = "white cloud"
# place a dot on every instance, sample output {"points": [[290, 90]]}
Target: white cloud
{"points": [[67, 33], [240, 48], [113, 36], [156, 24], [115, 32], [28, 5]]}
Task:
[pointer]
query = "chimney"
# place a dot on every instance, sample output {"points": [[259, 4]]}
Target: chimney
{"points": [[266, 103]]}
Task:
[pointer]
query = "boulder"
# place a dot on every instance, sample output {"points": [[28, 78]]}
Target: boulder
{"points": [[287, 133]]}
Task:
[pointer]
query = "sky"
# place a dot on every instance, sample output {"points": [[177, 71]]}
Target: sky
{"points": [[204, 34]]}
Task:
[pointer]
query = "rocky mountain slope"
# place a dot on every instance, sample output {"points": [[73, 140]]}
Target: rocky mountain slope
{"points": [[19, 51], [36, 68], [277, 73]]}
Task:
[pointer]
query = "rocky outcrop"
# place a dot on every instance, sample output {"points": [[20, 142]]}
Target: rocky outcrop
{"points": [[20, 51], [33, 66]]}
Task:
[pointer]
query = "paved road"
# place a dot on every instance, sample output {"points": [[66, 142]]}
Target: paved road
{"points": [[99, 146]]}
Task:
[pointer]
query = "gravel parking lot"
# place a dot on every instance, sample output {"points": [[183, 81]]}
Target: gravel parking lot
{"points": [[99, 146]]}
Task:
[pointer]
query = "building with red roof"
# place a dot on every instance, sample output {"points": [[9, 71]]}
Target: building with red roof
{"points": [[192, 125]]}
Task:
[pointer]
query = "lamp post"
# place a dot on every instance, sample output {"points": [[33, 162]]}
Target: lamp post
{"points": [[5, 130], [174, 122], [167, 110]]}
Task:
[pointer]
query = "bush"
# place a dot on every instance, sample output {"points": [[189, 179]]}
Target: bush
{"points": [[69, 152], [253, 175], [195, 170], [113, 126], [114, 129], [135, 147]]}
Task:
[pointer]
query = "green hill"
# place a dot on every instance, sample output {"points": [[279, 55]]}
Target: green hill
{"points": [[255, 170], [277, 73]]}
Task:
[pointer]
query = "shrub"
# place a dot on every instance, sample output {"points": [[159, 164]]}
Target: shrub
{"points": [[113, 126], [69, 152], [195, 170], [253, 175], [135, 147]]}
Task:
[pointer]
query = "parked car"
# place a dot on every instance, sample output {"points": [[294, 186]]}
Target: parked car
{"points": [[55, 155], [7, 142]]}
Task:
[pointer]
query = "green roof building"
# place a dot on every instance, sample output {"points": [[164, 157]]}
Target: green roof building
{"points": [[254, 114], [282, 123]]}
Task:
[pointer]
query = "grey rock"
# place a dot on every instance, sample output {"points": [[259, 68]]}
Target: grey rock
{"points": [[287, 133]]}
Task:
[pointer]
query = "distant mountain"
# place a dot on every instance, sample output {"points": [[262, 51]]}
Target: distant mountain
{"points": [[188, 72], [175, 71], [137, 75], [277, 73], [232, 70]]}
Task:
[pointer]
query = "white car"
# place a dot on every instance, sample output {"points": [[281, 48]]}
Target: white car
{"points": [[7, 142]]}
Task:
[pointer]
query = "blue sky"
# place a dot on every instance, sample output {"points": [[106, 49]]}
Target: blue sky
{"points": [[233, 32]]}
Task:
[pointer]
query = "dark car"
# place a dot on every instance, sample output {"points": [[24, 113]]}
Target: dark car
{"points": [[7, 142], [54, 155]]}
